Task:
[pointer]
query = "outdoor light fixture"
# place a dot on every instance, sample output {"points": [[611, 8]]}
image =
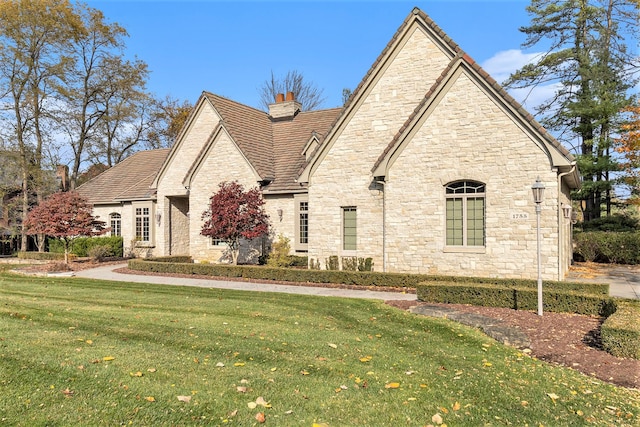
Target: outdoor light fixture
{"points": [[538, 194], [566, 211], [280, 214], [158, 217]]}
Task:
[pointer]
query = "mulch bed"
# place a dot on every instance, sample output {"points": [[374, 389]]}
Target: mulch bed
{"points": [[569, 340]]}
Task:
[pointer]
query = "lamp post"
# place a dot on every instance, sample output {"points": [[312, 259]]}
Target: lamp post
{"points": [[538, 193]]}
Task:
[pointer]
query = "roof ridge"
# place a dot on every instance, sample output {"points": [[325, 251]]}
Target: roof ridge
{"points": [[211, 94]]}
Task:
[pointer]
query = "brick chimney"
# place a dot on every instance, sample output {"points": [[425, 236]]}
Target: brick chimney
{"points": [[284, 109]]}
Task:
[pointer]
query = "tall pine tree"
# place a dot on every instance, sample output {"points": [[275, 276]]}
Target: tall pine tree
{"points": [[588, 61]]}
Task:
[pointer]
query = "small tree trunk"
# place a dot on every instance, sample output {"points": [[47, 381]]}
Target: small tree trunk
{"points": [[66, 251]]}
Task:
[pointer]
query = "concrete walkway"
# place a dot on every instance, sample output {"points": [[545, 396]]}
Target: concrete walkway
{"points": [[623, 280], [107, 273]]}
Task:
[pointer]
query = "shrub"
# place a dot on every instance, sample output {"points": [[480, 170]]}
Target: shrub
{"points": [[82, 245], [349, 263], [45, 256], [279, 256], [314, 264], [173, 259], [614, 222], [611, 247], [516, 298], [364, 278], [621, 331], [332, 263], [298, 261], [100, 252], [365, 264]]}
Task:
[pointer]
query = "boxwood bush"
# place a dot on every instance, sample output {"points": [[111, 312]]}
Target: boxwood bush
{"points": [[361, 278], [621, 331], [517, 298], [45, 256]]}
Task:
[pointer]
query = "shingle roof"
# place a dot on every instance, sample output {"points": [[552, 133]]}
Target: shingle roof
{"points": [[290, 138], [273, 147], [250, 129], [128, 180]]}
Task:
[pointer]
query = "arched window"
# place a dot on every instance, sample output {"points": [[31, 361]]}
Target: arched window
{"points": [[116, 224], [465, 213]]}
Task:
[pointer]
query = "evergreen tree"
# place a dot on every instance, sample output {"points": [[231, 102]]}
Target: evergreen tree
{"points": [[588, 61]]}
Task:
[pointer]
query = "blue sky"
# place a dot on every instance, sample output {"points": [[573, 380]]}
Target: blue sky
{"points": [[231, 47]]}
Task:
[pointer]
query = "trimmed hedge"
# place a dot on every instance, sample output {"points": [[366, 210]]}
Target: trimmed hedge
{"points": [[174, 259], [45, 256], [81, 246], [621, 331], [360, 278], [560, 301], [608, 247]]}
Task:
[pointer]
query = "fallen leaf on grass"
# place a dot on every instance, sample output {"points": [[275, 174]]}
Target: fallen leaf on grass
{"points": [[152, 370], [260, 417], [136, 374], [392, 385], [185, 399], [67, 392], [108, 358], [150, 399], [437, 418], [553, 396], [456, 406], [332, 345], [241, 389], [366, 359]]}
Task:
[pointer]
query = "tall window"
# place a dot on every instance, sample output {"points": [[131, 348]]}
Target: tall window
{"points": [[143, 231], [349, 228], [116, 224], [465, 213], [304, 223]]}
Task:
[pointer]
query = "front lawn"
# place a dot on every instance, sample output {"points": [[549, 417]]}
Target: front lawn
{"points": [[86, 352]]}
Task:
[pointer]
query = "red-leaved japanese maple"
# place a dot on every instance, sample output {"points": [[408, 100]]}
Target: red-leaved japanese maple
{"points": [[64, 216], [234, 214]]}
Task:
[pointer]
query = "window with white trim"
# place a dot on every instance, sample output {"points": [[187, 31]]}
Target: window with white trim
{"points": [[303, 224], [115, 221], [143, 225], [465, 204], [349, 228]]}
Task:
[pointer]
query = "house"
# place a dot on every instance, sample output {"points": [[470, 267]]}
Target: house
{"points": [[428, 168]]}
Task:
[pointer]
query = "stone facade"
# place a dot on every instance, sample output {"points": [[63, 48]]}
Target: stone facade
{"points": [[370, 181]]}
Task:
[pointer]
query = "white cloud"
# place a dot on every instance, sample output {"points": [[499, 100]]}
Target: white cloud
{"points": [[501, 65]]}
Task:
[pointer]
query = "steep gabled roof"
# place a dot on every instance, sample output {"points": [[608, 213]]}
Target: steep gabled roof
{"points": [[416, 17], [558, 155], [251, 130], [130, 179], [273, 148]]}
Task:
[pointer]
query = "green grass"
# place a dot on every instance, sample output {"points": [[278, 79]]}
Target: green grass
{"points": [[75, 351]]}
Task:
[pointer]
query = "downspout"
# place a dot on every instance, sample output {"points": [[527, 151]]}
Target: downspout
{"points": [[380, 181], [561, 222]]}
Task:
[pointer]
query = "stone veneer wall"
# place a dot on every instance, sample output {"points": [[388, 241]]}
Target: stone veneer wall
{"points": [[343, 178], [170, 183], [214, 170], [468, 137]]}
